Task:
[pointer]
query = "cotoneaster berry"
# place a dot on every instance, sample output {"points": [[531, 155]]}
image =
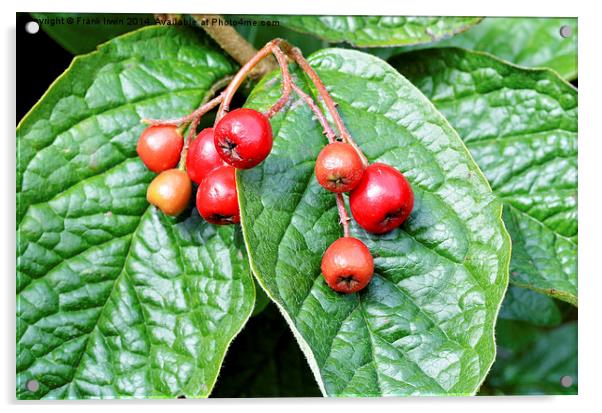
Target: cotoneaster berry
{"points": [[347, 265], [243, 138], [339, 168], [170, 191], [216, 198], [202, 157], [159, 147], [382, 200]]}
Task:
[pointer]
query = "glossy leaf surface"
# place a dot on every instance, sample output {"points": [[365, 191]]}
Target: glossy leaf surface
{"points": [[424, 325], [526, 41], [521, 128], [379, 31], [115, 300]]}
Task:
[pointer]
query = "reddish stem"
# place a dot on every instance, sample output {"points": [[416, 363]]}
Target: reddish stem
{"points": [[330, 135], [197, 113], [296, 54], [343, 216], [205, 106], [286, 82], [191, 132], [242, 75]]}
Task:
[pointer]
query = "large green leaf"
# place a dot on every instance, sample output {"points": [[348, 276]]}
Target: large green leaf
{"points": [[545, 364], [425, 323], [521, 304], [378, 31], [81, 32], [265, 361], [113, 298], [527, 41], [521, 127]]}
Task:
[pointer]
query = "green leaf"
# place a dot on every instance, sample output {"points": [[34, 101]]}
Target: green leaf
{"points": [[261, 300], [266, 30], [546, 365], [88, 30], [115, 300], [265, 361], [424, 325], [526, 41], [521, 128], [521, 304], [377, 31]]}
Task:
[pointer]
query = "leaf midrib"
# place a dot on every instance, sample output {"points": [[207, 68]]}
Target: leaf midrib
{"points": [[100, 313]]}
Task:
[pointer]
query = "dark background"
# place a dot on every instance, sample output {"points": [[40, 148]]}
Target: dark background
{"points": [[40, 60]]}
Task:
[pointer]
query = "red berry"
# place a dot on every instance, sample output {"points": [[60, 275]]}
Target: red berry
{"points": [[339, 168], [159, 147], [216, 197], [202, 157], [170, 191], [347, 265], [382, 200], [243, 138]]}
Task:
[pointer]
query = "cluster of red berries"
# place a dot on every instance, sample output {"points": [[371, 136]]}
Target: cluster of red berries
{"points": [[380, 199], [241, 139]]}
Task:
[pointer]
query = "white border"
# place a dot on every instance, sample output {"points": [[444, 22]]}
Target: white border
{"points": [[590, 199]]}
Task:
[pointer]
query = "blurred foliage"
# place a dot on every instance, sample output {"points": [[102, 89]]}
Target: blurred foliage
{"points": [[265, 361]]}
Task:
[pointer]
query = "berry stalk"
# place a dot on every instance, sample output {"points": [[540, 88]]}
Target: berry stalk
{"points": [[191, 132], [242, 75], [287, 82], [330, 135], [205, 106], [297, 56], [343, 216]]}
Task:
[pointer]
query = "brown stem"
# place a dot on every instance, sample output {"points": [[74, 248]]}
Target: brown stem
{"points": [[195, 117], [296, 55], [190, 117], [206, 106], [343, 216], [232, 42], [241, 76], [330, 135], [286, 82], [191, 133]]}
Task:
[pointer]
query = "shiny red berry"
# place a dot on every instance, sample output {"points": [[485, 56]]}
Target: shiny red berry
{"points": [[347, 265], [159, 147], [216, 197], [243, 138], [170, 191], [382, 200], [202, 157], [339, 168]]}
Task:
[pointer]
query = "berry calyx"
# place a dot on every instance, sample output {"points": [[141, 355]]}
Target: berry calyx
{"points": [[159, 147], [202, 157], [382, 200], [216, 198], [243, 138], [347, 265], [170, 191], [339, 168]]}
